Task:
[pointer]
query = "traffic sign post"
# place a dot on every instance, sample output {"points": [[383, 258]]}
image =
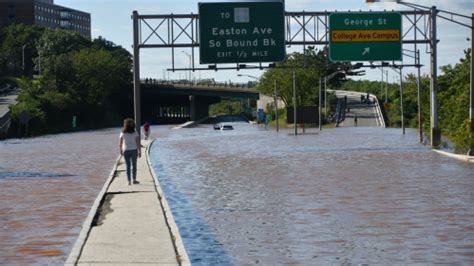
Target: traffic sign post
{"points": [[239, 32], [365, 36]]}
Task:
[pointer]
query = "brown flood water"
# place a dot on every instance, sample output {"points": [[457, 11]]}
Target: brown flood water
{"points": [[47, 186], [345, 195], [354, 195]]}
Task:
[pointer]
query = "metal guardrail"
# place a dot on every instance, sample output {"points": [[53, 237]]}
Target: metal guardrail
{"points": [[380, 116], [5, 122], [200, 83]]}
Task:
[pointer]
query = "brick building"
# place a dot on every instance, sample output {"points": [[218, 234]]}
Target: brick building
{"points": [[44, 13]]}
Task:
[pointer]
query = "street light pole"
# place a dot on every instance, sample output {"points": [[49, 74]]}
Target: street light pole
{"points": [[190, 64], [319, 106], [39, 62], [23, 58]]}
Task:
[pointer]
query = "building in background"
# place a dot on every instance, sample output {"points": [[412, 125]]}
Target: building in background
{"points": [[46, 14]]}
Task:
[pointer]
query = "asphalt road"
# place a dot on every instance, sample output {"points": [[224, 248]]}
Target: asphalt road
{"points": [[366, 112], [5, 101]]}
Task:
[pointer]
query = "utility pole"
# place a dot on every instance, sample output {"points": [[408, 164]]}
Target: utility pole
{"points": [[418, 84], [294, 102], [381, 82], [276, 103], [325, 97], [401, 101]]}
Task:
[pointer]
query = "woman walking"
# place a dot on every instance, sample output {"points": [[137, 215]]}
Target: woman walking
{"points": [[130, 148]]}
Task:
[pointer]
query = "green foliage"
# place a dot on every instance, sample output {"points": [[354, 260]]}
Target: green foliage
{"points": [[12, 41], [307, 79], [30, 102], [89, 80], [453, 101], [226, 107]]}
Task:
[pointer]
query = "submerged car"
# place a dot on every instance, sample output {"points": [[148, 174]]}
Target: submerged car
{"points": [[221, 126]]}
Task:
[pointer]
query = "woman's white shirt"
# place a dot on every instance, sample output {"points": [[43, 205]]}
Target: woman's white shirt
{"points": [[129, 141]]}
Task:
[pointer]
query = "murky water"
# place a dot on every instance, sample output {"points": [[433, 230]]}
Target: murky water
{"points": [[47, 187], [250, 196], [346, 195]]}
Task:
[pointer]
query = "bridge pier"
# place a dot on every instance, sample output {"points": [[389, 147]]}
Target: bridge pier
{"points": [[200, 107]]}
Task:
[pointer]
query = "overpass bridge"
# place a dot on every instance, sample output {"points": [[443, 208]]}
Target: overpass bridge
{"points": [[172, 102]]}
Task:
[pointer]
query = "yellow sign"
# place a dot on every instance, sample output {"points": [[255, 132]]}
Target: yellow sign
{"points": [[365, 35]]}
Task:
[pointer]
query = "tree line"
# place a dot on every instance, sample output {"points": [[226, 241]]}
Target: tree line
{"points": [[66, 81], [63, 76], [453, 92]]}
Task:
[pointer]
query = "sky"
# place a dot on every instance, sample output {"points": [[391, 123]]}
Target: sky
{"points": [[111, 19]]}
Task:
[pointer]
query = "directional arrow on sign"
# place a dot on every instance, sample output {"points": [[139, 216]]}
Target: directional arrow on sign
{"points": [[366, 50]]}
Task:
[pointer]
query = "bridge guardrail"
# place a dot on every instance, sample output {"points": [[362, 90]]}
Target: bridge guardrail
{"points": [[203, 83], [5, 122], [381, 118]]}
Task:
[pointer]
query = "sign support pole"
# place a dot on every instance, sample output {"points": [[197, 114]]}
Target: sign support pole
{"points": [[136, 73], [471, 97], [435, 132]]}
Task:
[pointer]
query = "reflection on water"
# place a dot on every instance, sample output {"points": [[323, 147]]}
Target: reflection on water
{"points": [[346, 195], [47, 186]]}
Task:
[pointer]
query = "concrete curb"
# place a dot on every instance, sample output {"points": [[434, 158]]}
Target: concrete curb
{"points": [[182, 255], [86, 226], [465, 158]]}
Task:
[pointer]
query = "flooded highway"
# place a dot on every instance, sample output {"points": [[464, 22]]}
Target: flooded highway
{"points": [[47, 187], [249, 196], [346, 195]]}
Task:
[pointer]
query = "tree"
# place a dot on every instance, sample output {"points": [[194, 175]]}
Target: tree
{"points": [[454, 102], [307, 79], [14, 39], [57, 43]]}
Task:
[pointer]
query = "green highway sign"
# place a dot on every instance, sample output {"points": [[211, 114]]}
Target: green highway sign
{"points": [[365, 36], [239, 32]]}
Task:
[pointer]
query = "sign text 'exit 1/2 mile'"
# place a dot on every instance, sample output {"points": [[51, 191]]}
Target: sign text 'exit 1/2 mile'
{"points": [[239, 32], [365, 36]]}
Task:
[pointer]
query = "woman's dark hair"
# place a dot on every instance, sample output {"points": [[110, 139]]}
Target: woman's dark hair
{"points": [[128, 125]]}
